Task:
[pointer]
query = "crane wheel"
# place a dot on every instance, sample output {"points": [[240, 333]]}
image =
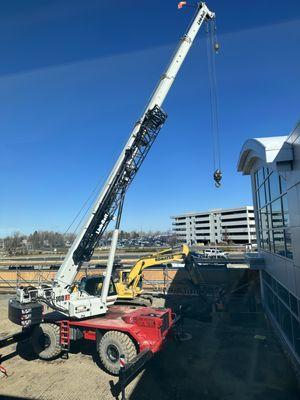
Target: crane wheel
{"points": [[111, 346], [46, 341]]}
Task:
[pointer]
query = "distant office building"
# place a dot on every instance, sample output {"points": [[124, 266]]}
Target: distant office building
{"points": [[274, 166], [233, 225]]}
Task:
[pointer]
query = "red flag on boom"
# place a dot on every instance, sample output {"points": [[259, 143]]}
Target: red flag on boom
{"points": [[181, 4]]}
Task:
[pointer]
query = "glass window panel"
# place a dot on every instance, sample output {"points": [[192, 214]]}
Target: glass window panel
{"points": [[279, 244], [257, 200], [261, 241], [277, 220], [283, 293], [267, 191], [274, 185], [266, 170], [265, 240], [276, 301], [286, 219], [296, 334], [258, 220], [288, 243], [262, 196], [267, 292], [269, 216], [264, 218], [256, 180], [282, 184], [271, 241], [285, 321], [267, 278], [260, 176], [294, 304], [258, 238], [270, 301], [274, 285]]}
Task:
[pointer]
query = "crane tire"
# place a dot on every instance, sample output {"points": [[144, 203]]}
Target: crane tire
{"points": [[46, 341], [111, 346]]}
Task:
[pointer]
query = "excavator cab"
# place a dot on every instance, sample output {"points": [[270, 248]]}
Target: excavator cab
{"points": [[93, 285], [123, 277]]}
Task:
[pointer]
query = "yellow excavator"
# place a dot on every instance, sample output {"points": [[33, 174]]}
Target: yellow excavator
{"points": [[128, 281]]}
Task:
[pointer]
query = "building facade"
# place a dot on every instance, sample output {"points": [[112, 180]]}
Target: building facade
{"points": [[234, 225], [274, 166]]}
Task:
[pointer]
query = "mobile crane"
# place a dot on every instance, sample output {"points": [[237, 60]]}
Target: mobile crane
{"points": [[117, 330], [128, 282]]}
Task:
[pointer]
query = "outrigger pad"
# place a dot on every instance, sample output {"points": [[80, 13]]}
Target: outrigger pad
{"points": [[24, 314]]}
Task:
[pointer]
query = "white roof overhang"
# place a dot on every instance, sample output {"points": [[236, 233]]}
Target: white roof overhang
{"points": [[269, 150]]}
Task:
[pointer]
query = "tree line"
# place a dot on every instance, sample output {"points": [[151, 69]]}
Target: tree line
{"points": [[18, 243]]}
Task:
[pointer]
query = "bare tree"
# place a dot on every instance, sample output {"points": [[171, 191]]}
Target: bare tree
{"points": [[14, 244]]}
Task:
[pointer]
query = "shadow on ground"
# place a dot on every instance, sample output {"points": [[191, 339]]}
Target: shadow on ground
{"points": [[221, 361], [25, 350], [232, 354]]}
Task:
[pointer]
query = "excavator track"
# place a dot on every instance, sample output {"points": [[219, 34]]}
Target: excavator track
{"points": [[136, 301]]}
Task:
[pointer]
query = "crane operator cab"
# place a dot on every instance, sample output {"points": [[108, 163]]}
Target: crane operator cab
{"points": [[93, 286]]}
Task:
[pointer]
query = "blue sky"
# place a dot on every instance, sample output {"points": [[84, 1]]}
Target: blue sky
{"points": [[75, 76]]}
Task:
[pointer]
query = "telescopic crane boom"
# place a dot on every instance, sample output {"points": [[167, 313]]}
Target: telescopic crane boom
{"points": [[60, 295]]}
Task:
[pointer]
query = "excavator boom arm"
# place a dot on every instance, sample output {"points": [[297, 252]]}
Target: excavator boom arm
{"points": [[164, 257]]}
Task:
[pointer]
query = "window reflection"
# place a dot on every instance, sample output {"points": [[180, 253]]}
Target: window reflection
{"points": [[283, 185], [285, 321], [288, 243], [272, 213], [294, 304], [286, 219], [257, 200], [262, 196], [265, 240], [260, 176], [271, 240], [264, 218], [277, 218], [283, 305], [267, 191], [274, 185], [278, 238], [267, 172]]}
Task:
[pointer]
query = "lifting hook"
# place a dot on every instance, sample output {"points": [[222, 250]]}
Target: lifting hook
{"points": [[217, 47], [217, 177]]}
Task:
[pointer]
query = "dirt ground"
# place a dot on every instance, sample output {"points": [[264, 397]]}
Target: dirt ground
{"points": [[222, 360]]}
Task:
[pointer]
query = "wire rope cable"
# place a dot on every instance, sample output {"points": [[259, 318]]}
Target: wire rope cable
{"points": [[212, 48], [86, 205]]}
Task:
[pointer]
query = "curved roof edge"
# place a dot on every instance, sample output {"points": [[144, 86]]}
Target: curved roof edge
{"points": [[266, 149]]}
